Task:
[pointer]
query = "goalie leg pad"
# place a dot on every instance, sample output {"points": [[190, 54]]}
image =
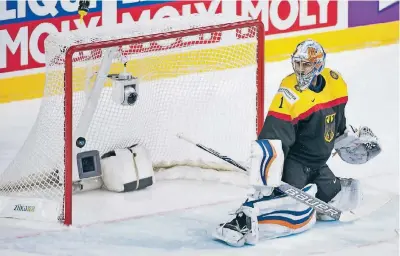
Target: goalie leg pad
{"points": [[283, 216], [348, 199], [127, 169], [268, 217], [267, 160]]}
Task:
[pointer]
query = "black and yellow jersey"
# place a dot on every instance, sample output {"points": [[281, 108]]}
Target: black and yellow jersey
{"points": [[307, 122]]}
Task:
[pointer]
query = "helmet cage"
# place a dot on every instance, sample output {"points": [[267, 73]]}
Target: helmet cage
{"points": [[307, 61]]}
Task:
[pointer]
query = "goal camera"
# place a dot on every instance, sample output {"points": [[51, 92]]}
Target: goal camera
{"points": [[124, 88]]}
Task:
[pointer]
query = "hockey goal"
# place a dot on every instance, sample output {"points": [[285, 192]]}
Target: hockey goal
{"points": [[203, 77]]}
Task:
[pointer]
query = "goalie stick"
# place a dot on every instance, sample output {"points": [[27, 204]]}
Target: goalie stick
{"points": [[289, 190]]}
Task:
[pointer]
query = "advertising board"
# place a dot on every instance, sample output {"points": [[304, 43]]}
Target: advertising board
{"points": [[24, 25], [338, 25], [363, 13]]}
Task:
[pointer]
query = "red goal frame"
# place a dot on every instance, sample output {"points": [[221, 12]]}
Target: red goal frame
{"points": [[68, 85]]}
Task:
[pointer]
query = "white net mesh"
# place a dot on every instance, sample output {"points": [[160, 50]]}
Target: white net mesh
{"points": [[203, 85]]}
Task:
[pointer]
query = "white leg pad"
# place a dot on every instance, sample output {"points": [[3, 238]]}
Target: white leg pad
{"points": [[127, 169], [348, 199], [285, 216], [270, 217], [266, 165]]}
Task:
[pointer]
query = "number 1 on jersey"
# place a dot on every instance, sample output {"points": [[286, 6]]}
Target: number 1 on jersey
{"points": [[281, 104]]}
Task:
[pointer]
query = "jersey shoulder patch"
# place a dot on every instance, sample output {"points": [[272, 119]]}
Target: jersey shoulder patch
{"points": [[289, 94], [334, 75], [335, 83], [327, 72]]}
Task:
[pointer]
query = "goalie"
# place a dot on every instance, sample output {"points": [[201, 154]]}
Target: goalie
{"points": [[305, 123]]}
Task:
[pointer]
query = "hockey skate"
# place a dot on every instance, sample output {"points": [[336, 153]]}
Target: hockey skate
{"points": [[242, 229]]}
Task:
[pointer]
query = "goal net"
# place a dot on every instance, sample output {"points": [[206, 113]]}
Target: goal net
{"points": [[202, 77]]}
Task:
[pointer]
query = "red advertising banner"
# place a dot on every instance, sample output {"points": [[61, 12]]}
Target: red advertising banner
{"points": [[24, 24]]}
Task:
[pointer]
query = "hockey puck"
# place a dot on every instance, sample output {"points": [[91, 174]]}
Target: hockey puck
{"points": [[80, 142]]}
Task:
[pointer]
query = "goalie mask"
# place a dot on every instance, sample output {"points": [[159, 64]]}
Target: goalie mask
{"points": [[308, 60]]}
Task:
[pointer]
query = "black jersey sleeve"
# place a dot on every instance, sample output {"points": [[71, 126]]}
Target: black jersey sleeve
{"points": [[278, 123]]}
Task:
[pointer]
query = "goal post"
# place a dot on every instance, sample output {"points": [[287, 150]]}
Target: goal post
{"points": [[203, 76]]}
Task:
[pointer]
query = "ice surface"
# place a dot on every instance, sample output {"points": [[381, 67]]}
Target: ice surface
{"points": [[178, 213]]}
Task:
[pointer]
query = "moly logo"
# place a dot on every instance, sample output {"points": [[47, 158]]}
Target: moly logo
{"points": [[25, 24], [24, 208]]}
